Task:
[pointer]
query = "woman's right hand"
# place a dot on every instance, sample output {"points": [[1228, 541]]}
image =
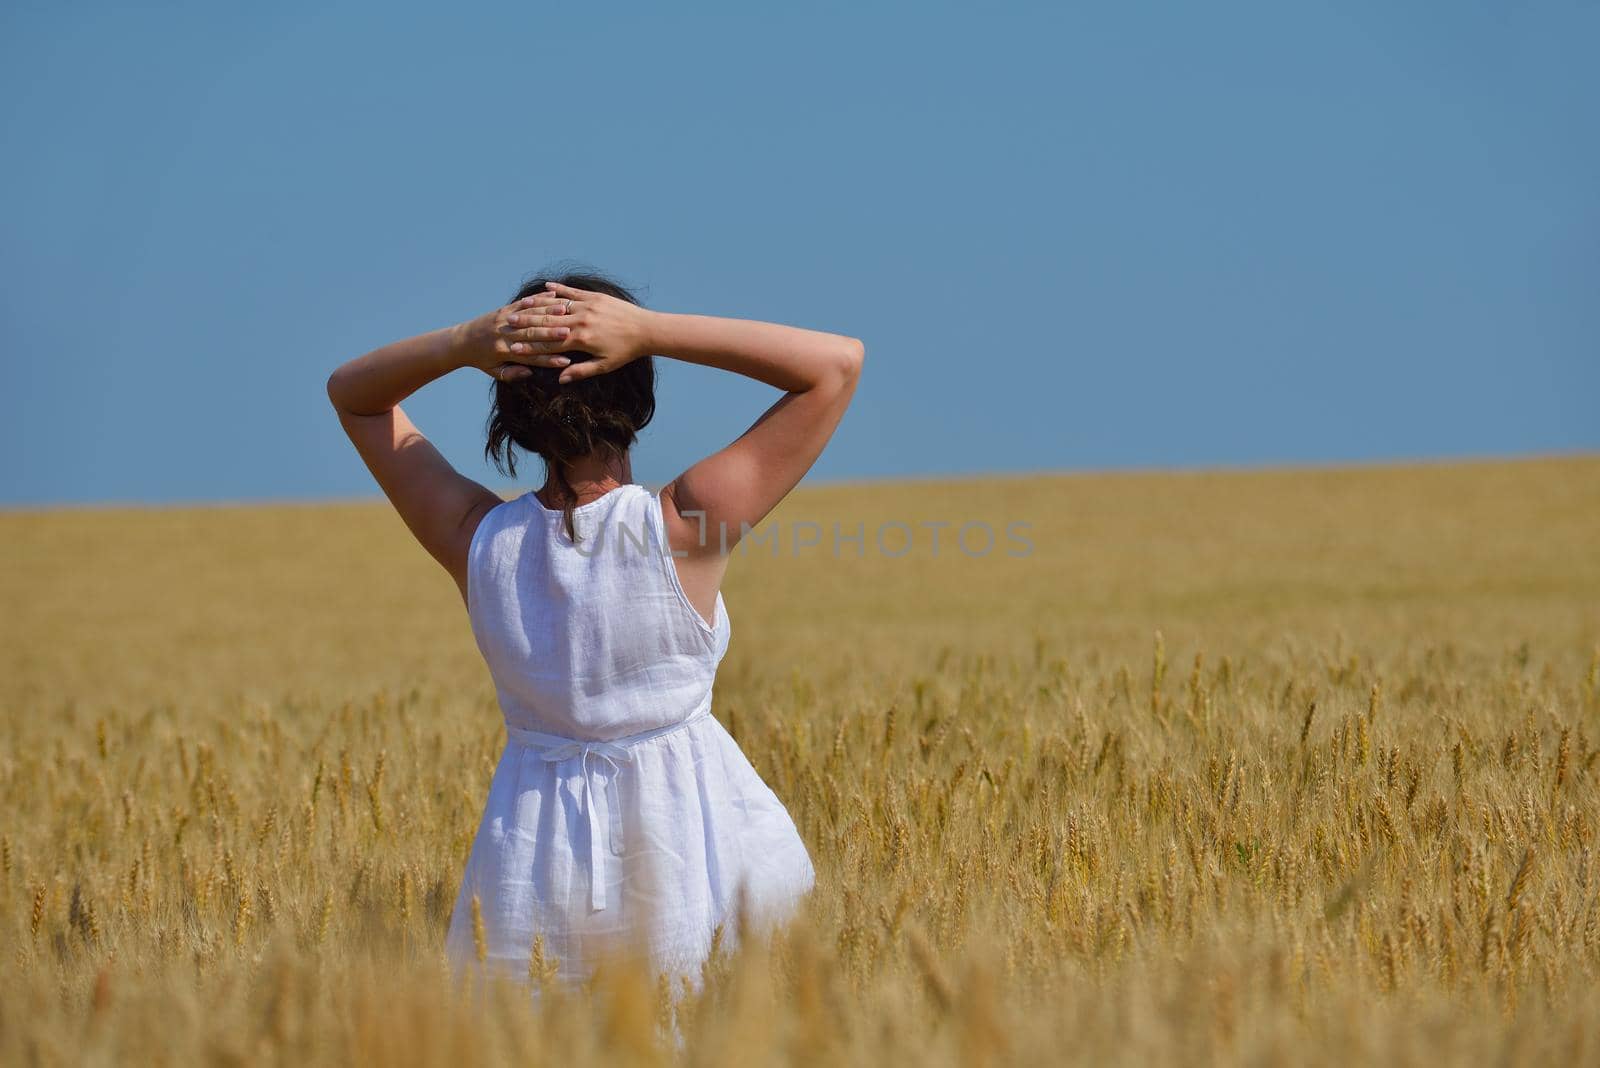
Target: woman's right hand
{"points": [[611, 331], [487, 341]]}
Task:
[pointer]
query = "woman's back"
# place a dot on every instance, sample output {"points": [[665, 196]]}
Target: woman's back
{"points": [[593, 640], [620, 808]]}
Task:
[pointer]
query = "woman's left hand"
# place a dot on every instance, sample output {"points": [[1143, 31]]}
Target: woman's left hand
{"points": [[613, 331]]}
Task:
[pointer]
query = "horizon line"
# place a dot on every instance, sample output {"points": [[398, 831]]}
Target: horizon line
{"points": [[867, 481]]}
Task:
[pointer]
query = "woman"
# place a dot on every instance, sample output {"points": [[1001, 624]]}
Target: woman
{"points": [[620, 809]]}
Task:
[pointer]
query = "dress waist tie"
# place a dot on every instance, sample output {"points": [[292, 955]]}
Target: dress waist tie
{"points": [[556, 748]]}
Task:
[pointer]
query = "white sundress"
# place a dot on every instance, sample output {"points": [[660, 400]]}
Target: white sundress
{"points": [[620, 808]]}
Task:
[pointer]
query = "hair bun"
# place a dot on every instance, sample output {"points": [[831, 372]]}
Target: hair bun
{"points": [[562, 424]]}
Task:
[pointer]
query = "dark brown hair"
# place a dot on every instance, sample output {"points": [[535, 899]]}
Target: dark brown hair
{"points": [[563, 423]]}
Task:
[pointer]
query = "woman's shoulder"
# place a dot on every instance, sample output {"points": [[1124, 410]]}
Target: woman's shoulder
{"points": [[492, 516]]}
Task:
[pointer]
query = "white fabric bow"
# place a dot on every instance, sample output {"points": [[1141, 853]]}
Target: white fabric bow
{"points": [[554, 748]]}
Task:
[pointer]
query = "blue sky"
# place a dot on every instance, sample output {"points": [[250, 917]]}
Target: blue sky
{"points": [[1072, 236]]}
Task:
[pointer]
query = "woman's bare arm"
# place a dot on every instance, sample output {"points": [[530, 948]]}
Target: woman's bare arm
{"points": [[737, 486], [709, 506], [437, 503]]}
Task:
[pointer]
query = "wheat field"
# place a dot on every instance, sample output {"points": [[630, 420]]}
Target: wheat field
{"points": [[1262, 767]]}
